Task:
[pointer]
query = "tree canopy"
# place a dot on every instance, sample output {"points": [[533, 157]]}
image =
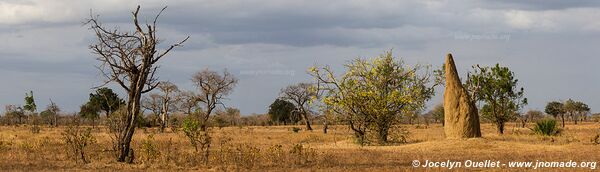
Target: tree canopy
{"points": [[497, 88], [373, 93], [281, 111]]}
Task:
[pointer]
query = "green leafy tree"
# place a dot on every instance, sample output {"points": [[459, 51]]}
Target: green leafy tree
{"points": [[575, 109], [373, 94], [437, 113], [106, 100], [281, 111], [555, 109], [30, 103], [89, 111], [31, 108], [497, 88], [199, 138]]}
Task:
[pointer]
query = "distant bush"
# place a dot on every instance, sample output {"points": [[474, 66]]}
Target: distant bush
{"points": [[546, 127], [295, 129], [35, 129], [77, 139]]}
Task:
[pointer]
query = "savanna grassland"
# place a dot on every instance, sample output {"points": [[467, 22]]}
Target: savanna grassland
{"points": [[279, 148]]}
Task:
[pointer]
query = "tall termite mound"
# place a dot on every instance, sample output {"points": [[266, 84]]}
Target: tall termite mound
{"points": [[460, 114]]}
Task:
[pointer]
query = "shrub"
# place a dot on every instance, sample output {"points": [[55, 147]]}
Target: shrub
{"points": [[302, 155], [35, 129], [596, 139], [295, 129], [77, 139], [546, 127], [198, 138], [149, 149], [115, 124], [399, 134]]}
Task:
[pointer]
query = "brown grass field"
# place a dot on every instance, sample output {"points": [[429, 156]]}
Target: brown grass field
{"points": [[255, 149]]}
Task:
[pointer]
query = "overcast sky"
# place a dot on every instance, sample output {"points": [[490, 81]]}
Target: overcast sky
{"points": [[551, 45]]}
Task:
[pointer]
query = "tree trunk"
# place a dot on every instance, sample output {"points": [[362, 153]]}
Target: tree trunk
{"points": [[325, 126], [563, 120], [305, 116], [500, 126], [164, 116], [125, 152], [382, 135]]}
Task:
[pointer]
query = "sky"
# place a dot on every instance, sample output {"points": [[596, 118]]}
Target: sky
{"points": [[551, 45]]}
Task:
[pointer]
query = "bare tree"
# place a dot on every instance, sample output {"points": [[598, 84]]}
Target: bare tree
{"points": [[153, 103], [300, 94], [129, 58], [169, 99], [187, 101], [213, 88]]}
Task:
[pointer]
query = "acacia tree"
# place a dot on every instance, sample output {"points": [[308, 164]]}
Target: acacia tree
{"points": [[497, 88], [300, 95], [372, 95], [555, 109], [129, 58], [213, 87], [575, 109]]}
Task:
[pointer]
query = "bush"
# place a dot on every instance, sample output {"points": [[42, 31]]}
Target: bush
{"points": [[115, 124], [547, 127], [596, 139], [149, 149], [35, 129], [399, 134], [77, 139], [198, 137], [295, 129]]}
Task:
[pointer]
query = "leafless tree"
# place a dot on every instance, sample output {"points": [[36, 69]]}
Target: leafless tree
{"points": [[187, 101], [169, 98], [153, 103], [300, 94], [213, 87], [129, 59]]}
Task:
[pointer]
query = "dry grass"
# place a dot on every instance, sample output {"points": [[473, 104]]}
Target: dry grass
{"points": [[276, 149]]}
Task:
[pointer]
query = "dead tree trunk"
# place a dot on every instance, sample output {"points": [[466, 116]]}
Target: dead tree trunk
{"points": [[128, 59]]}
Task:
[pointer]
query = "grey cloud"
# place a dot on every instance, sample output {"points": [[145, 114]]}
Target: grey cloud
{"points": [[270, 44], [540, 4]]}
